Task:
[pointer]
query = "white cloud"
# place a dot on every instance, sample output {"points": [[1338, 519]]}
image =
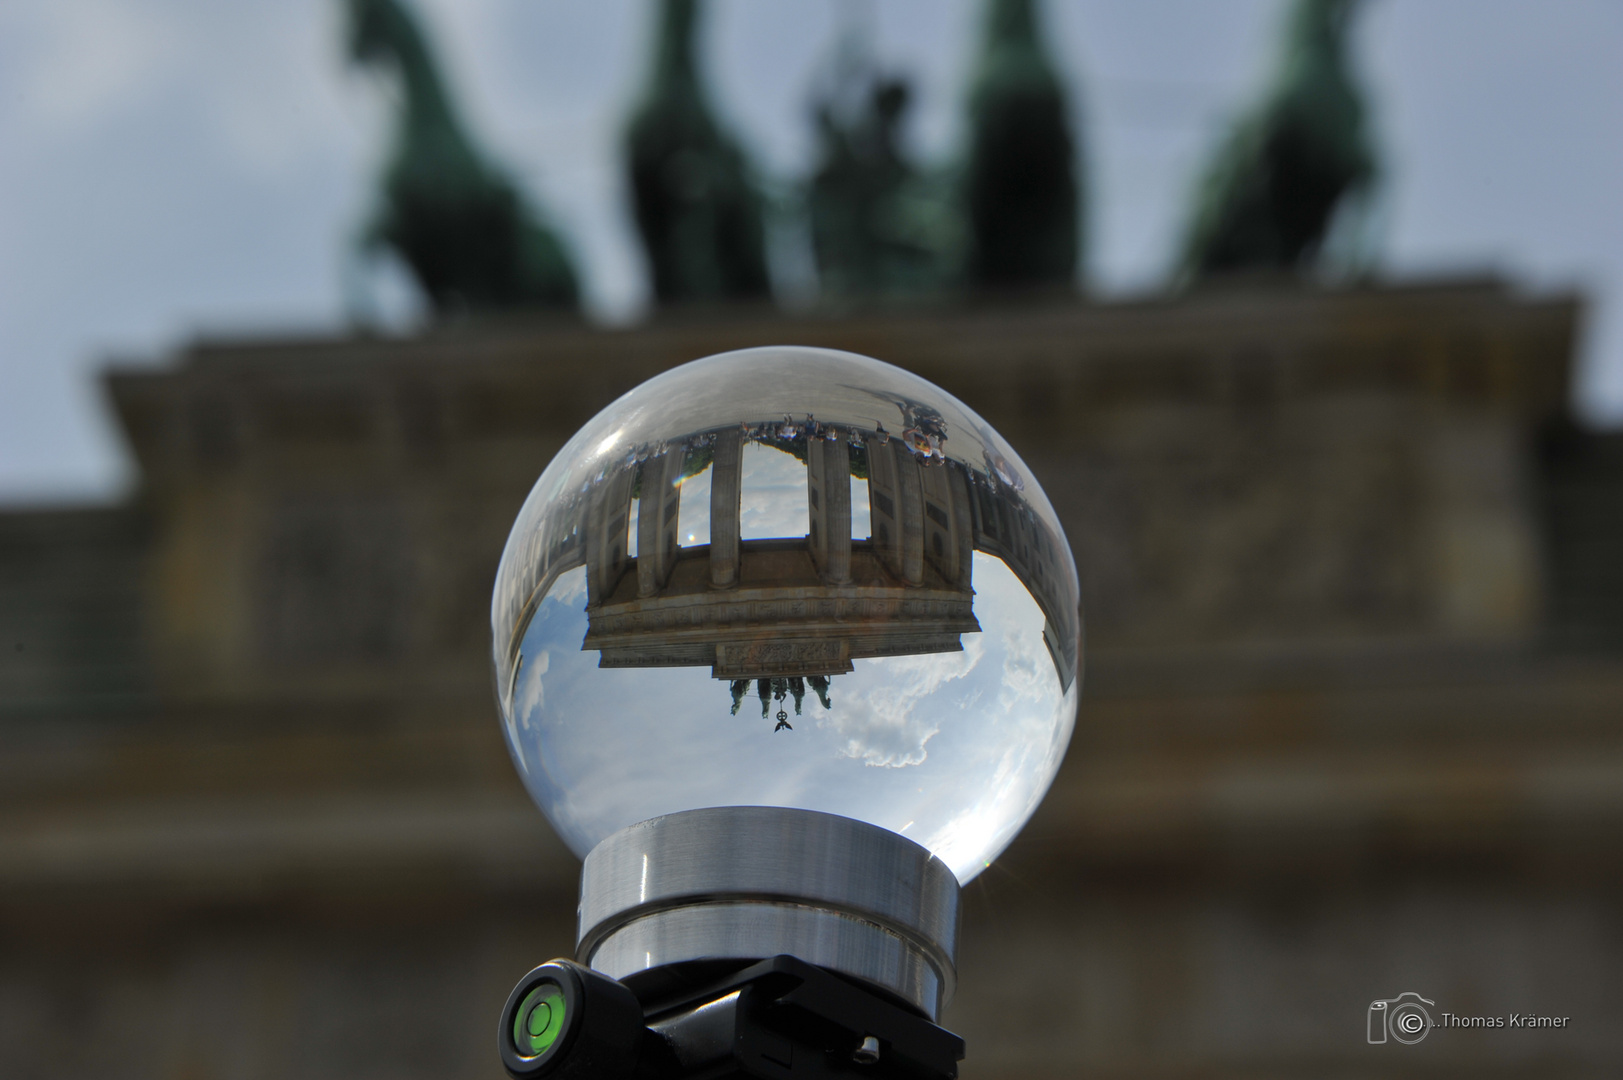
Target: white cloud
{"points": [[85, 60], [264, 81], [772, 494], [1028, 670], [693, 519], [892, 725], [570, 589], [532, 694], [283, 92]]}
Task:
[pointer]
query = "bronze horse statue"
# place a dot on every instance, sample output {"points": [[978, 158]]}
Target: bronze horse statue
{"points": [[1303, 155], [1021, 191], [462, 227], [696, 206]]}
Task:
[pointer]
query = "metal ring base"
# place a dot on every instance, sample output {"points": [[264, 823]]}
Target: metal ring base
{"points": [[747, 883]]}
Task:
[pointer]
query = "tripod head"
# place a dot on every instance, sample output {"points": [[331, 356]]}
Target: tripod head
{"points": [[779, 1019]]}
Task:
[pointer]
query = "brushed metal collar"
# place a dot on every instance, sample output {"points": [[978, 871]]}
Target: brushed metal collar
{"points": [[749, 882]]}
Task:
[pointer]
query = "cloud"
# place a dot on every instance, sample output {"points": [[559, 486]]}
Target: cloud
{"points": [[88, 58], [1006, 795], [891, 725], [570, 589], [693, 521], [532, 694], [1028, 670], [263, 82], [773, 494]]}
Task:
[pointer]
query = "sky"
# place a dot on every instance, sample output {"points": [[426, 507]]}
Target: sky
{"points": [[176, 168]]}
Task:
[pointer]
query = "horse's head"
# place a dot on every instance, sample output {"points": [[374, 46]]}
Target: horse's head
{"points": [[373, 28], [1011, 23]]}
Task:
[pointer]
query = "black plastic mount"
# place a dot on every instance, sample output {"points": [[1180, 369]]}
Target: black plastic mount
{"points": [[779, 1019], [784, 1018]]}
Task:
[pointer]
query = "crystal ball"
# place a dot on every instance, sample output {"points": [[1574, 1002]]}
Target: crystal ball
{"points": [[789, 577]]}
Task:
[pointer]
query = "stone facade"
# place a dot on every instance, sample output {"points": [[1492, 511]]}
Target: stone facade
{"points": [[1349, 727], [779, 607]]}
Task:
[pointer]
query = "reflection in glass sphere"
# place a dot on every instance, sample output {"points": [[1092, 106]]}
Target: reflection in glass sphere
{"points": [[789, 577]]}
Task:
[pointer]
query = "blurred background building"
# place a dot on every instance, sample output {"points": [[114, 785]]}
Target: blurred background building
{"points": [[1349, 541]]}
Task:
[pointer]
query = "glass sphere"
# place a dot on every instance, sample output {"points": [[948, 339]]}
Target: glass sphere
{"points": [[789, 577]]}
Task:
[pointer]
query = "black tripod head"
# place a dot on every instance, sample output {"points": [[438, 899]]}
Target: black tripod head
{"points": [[779, 1019]]}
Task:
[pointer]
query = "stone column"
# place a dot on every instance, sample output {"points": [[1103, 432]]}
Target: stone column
{"points": [[658, 503], [897, 506], [607, 519], [910, 508], [725, 482], [828, 499], [948, 539]]}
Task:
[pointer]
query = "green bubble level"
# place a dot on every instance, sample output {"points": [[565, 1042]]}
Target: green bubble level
{"points": [[540, 1019]]}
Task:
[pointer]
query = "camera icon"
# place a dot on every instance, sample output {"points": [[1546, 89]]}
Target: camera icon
{"points": [[1403, 1017]]}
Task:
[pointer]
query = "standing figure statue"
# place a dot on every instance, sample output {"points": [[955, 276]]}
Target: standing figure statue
{"points": [[856, 237], [1301, 160], [1021, 193], [880, 226], [696, 207], [453, 218]]}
